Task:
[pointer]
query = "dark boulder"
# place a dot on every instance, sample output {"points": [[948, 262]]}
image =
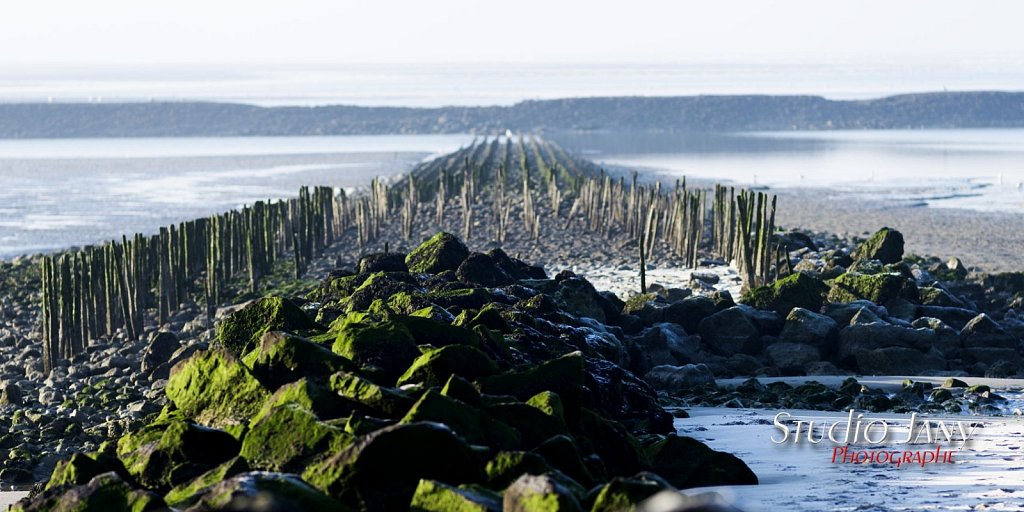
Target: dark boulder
{"points": [[886, 245], [441, 252]]}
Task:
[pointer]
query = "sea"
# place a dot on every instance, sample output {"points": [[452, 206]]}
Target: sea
{"points": [[57, 193]]}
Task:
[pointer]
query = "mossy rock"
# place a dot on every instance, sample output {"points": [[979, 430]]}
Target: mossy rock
{"points": [[427, 331], [480, 269], [435, 366], [472, 424], [686, 462], [370, 397], [311, 395], [381, 470], [382, 262], [262, 490], [886, 245], [169, 453], [533, 425], [286, 437], [618, 449], [387, 346], [797, 290], [579, 298], [492, 317], [242, 330], [433, 496], [81, 468], [636, 304], [877, 288], [106, 491], [563, 375], [549, 403], [215, 389], [540, 493], [281, 358], [461, 298], [624, 494], [441, 252], [562, 453], [381, 286], [187, 493], [463, 391], [506, 466]]}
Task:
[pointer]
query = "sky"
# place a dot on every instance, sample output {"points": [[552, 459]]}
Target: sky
{"points": [[54, 34]]}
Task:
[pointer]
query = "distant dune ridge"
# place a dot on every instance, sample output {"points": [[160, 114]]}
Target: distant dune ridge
{"points": [[682, 113]]}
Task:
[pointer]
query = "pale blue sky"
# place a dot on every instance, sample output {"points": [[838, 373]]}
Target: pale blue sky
{"points": [[55, 33]]}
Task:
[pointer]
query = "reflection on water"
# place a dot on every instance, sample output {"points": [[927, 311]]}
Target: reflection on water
{"points": [[971, 169]]}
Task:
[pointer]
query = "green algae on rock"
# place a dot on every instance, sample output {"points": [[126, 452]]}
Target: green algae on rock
{"points": [[798, 290], [215, 389], [441, 252], [242, 330], [169, 453], [281, 358]]}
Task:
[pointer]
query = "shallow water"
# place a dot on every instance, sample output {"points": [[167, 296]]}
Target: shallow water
{"points": [[57, 193], [969, 169]]}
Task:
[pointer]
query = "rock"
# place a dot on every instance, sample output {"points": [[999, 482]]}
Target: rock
{"points": [[106, 491], [866, 316], [792, 358], [433, 496], [365, 474], [895, 360], [662, 343], [11, 394], [284, 438], [876, 335], [505, 467], [243, 330], [470, 423], [795, 290], [730, 331], [387, 346], [954, 383], [539, 493], [441, 252], [680, 378], [878, 288], [261, 490], [281, 358], [886, 245], [398, 289], [627, 493], [843, 313], [369, 397], [578, 297], [685, 462], [562, 376], [931, 296], [982, 331], [533, 425], [436, 366], [81, 468], [217, 390], [689, 312], [480, 269], [382, 262], [188, 493], [168, 453], [957, 318], [807, 327], [161, 347]]}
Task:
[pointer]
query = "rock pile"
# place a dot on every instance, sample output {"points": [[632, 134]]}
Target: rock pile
{"points": [[465, 380]]}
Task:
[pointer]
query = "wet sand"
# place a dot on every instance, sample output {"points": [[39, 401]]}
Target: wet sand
{"points": [[993, 241], [986, 475]]}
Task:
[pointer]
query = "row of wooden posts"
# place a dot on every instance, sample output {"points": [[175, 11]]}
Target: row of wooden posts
{"points": [[97, 290]]}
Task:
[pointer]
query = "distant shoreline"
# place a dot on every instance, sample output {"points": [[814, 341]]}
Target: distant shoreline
{"points": [[733, 113]]}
